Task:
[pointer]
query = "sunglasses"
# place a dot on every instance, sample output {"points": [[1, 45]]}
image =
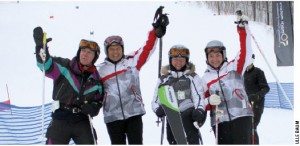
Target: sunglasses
{"points": [[215, 49], [89, 44], [179, 52], [113, 39]]}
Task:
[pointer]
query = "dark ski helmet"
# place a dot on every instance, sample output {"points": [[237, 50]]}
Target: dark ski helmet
{"points": [[238, 12], [92, 46], [113, 40], [215, 46]]}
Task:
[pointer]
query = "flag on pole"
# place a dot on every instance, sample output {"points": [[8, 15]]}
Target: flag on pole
{"points": [[5, 105], [6, 102], [283, 33]]}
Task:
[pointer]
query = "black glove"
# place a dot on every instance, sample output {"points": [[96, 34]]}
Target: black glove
{"points": [[243, 21], [199, 115], [254, 98], [161, 23], [160, 112], [241, 24], [91, 109], [38, 35]]}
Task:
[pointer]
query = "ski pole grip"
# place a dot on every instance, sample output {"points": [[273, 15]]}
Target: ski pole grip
{"points": [[44, 38]]}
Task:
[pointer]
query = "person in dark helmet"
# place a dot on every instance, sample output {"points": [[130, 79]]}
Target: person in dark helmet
{"points": [[238, 12], [77, 92], [257, 87], [180, 75], [226, 98], [241, 19], [123, 104], [114, 48]]}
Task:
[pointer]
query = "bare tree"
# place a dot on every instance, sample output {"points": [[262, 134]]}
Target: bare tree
{"points": [[256, 10], [253, 9]]}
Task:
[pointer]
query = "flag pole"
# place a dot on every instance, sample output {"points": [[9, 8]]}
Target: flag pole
{"points": [[277, 80], [8, 99], [43, 56]]}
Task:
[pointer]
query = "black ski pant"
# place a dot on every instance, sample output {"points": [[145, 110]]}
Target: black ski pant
{"points": [[192, 133], [62, 131], [237, 131], [258, 109], [132, 128]]}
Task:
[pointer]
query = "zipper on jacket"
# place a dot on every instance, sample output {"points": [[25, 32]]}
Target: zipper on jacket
{"points": [[82, 86], [59, 91], [223, 96], [119, 92]]}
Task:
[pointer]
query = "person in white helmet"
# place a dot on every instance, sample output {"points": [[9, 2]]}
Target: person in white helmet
{"points": [[224, 90], [180, 74]]}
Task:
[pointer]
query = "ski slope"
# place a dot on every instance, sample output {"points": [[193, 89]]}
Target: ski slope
{"points": [[67, 22]]}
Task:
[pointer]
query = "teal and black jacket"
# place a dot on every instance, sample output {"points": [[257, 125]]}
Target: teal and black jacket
{"points": [[72, 87]]}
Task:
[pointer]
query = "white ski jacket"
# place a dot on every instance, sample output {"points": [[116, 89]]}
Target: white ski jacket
{"points": [[122, 94], [241, 19], [190, 84], [229, 83]]}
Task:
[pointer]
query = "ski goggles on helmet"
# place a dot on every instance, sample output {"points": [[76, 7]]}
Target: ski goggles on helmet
{"points": [[174, 52], [113, 39], [214, 49], [89, 44]]}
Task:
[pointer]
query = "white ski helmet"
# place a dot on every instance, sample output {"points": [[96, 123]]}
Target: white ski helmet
{"points": [[214, 46], [179, 50]]}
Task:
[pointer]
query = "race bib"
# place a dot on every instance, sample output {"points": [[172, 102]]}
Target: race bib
{"points": [[180, 95]]}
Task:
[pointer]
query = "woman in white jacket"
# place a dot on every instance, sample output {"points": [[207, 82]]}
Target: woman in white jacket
{"points": [[180, 75], [224, 87]]}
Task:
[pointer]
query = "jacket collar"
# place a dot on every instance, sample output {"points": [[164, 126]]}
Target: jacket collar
{"points": [[75, 67], [190, 68]]}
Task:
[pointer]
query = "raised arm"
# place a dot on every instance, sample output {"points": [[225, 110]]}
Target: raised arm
{"points": [[244, 56], [160, 23]]}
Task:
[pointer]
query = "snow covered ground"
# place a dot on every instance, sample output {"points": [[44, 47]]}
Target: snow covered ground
{"points": [[67, 22]]}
